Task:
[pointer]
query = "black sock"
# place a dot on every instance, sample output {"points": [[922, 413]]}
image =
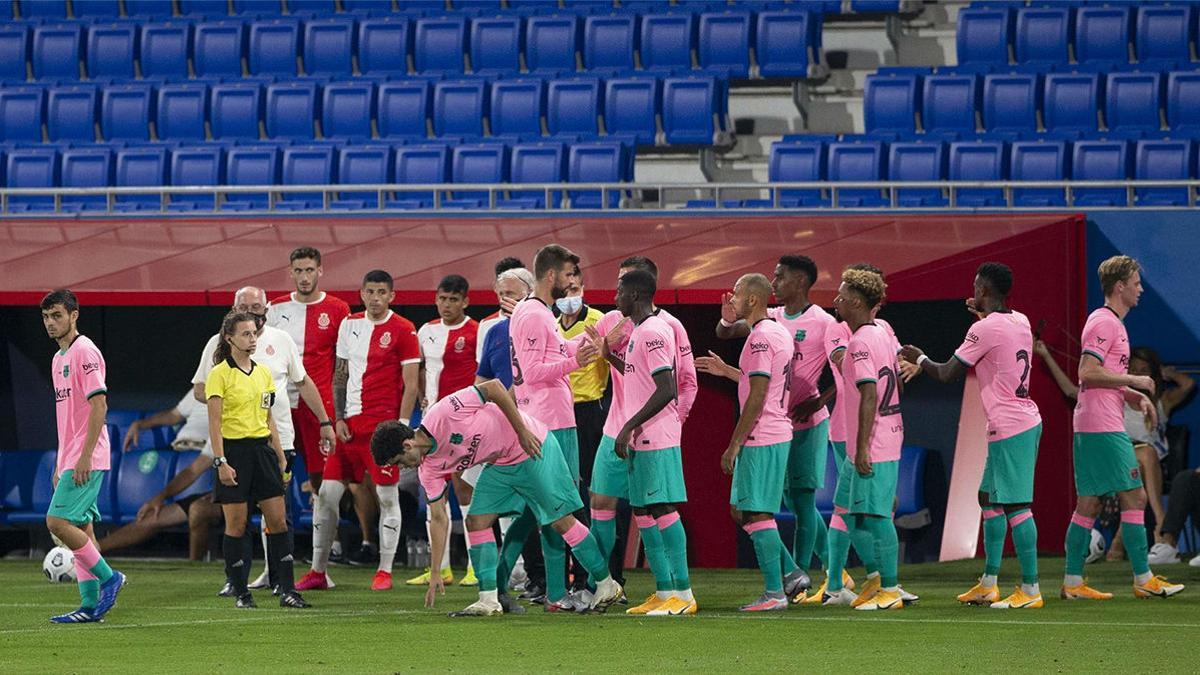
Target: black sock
{"points": [[279, 552], [231, 547], [247, 544]]}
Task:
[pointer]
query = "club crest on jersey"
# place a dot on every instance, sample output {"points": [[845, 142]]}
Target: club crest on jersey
{"points": [[456, 439], [323, 321], [270, 350], [385, 339], [66, 371], [460, 344], [800, 335], [1133, 473]]}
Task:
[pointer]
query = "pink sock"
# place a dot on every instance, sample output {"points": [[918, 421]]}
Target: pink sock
{"points": [[477, 537], [82, 573], [603, 514], [576, 534], [751, 528], [87, 554], [643, 522], [668, 520]]}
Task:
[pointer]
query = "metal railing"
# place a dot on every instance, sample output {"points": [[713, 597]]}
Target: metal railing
{"points": [[565, 197]]}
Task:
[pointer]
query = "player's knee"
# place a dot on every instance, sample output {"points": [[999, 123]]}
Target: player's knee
{"points": [[474, 522], [235, 530]]}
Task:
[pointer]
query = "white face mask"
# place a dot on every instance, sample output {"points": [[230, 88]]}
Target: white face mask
{"points": [[569, 305]]}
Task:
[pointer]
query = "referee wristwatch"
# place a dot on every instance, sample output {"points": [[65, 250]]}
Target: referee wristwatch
{"points": [[218, 461]]}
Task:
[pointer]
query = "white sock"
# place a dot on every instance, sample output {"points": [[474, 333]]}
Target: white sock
{"points": [[325, 522], [266, 558], [891, 589], [465, 509], [389, 524], [1032, 590], [489, 596], [988, 581], [1143, 578], [664, 595], [686, 595], [872, 575], [1072, 580]]}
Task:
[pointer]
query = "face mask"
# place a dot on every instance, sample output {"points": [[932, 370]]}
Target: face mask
{"points": [[260, 320], [569, 305]]}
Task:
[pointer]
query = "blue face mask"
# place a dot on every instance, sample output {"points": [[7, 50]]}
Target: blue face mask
{"points": [[569, 305]]}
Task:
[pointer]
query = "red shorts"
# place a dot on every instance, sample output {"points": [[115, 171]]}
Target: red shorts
{"points": [[351, 460], [308, 437]]}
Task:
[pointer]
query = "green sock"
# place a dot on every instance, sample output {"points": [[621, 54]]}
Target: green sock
{"points": [[656, 554], [995, 528], [675, 542], [804, 504], [1078, 540], [485, 557], [821, 542], [1024, 535], [887, 548], [839, 548], [605, 532], [514, 542], [766, 547], [1136, 546], [89, 593], [864, 544], [587, 552], [554, 550]]}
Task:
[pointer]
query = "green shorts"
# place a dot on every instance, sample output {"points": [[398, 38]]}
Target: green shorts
{"points": [[1105, 464], [543, 484], [568, 443], [76, 504], [610, 474], [874, 495], [841, 493], [656, 477], [758, 478], [1008, 473], [807, 457]]}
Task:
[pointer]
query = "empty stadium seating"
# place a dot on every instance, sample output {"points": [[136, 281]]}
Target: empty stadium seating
{"points": [[1038, 161], [86, 168], [984, 161], [949, 103], [535, 163], [857, 162], [1100, 160], [1164, 160], [915, 162], [890, 103], [71, 113], [419, 165], [362, 166], [1010, 102]]}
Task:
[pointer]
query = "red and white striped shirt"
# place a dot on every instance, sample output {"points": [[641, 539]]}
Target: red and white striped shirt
{"points": [[313, 326], [449, 354], [376, 354]]}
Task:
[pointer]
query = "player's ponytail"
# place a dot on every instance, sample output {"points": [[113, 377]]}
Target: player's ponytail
{"points": [[228, 327]]}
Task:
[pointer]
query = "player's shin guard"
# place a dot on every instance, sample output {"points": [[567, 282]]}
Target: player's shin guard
{"points": [[89, 587], [1079, 537], [839, 549], [587, 551], [1133, 532], [389, 524], [995, 528], [235, 565], [484, 557], [554, 550], [675, 543], [887, 548], [656, 554], [604, 529], [90, 556], [515, 534], [325, 522], [279, 555], [765, 536], [1024, 534]]}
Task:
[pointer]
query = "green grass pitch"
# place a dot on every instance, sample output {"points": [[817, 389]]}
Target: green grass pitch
{"points": [[169, 619]]}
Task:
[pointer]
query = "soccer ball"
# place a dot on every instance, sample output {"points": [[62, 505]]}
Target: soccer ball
{"points": [[1095, 547], [59, 565]]}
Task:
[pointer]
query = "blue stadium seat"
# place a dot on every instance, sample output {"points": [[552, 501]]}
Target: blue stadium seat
{"points": [[1102, 34], [311, 7], [125, 112], [785, 43], [517, 107], [420, 165], [156, 9], [551, 43], [572, 106], [910, 482], [403, 108], [32, 168], [290, 111], [917, 162], [595, 163], [328, 47], [180, 112], [438, 44], [1038, 161], [217, 48], [949, 103], [203, 7], [346, 110], [26, 501], [1042, 35], [96, 9], [983, 161], [86, 168], [383, 46], [856, 163], [724, 42], [44, 9], [1183, 100], [1100, 160], [142, 474], [163, 50], [630, 105], [71, 113], [690, 112], [55, 52], [1070, 102], [1010, 102], [983, 36], [496, 45], [273, 47], [362, 165], [259, 7], [1132, 101], [195, 166], [890, 103], [305, 165], [535, 163], [608, 42], [476, 164], [110, 50], [21, 113], [798, 163], [459, 107], [889, 6], [235, 110], [667, 41], [1164, 32], [137, 167], [14, 52], [1164, 160], [203, 484], [250, 166]]}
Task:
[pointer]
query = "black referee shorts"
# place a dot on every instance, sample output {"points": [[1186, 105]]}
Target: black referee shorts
{"points": [[257, 466]]}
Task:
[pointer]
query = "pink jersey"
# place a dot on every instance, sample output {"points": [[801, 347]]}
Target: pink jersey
{"points": [[768, 353], [651, 350], [313, 326], [1102, 409], [871, 357], [78, 375], [376, 354], [836, 339], [808, 329], [616, 411], [449, 354], [999, 347], [541, 363], [468, 430], [686, 385]]}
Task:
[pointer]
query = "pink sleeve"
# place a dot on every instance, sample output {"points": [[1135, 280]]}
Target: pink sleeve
{"points": [[862, 363], [659, 356], [685, 374], [433, 482], [1098, 338], [975, 346], [758, 361], [541, 361], [89, 366]]}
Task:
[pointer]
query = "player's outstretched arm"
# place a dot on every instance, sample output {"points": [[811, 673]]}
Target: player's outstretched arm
{"points": [[1092, 373], [664, 393], [1068, 388], [945, 372], [715, 365], [1174, 397], [439, 519]]}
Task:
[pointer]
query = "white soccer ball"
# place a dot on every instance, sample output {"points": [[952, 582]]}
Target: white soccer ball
{"points": [[1095, 547], [59, 565]]}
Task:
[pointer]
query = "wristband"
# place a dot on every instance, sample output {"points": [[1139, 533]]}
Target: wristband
{"points": [[922, 359], [327, 423], [726, 323], [404, 421]]}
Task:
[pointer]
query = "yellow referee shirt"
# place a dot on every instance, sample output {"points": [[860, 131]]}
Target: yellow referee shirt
{"points": [[246, 398], [587, 384]]}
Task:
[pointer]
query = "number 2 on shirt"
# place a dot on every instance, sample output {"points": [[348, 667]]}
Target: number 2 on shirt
{"points": [[886, 407]]}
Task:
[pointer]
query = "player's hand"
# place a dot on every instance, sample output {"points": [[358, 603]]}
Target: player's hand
{"points": [[149, 510], [712, 364], [343, 431], [587, 353], [1143, 383], [862, 462], [1041, 349], [973, 309], [617, 335], [1170, 373], [227, 475], [727, 312], [508, 305], [131, 435], [285, 466], [910, 353], [328, 441], [530, 443], [54, 480], [908, 371], [1148, 411], [621, 443], [729, 459], [597, 340], [805, 409], [83, 469], [436, 587]]}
